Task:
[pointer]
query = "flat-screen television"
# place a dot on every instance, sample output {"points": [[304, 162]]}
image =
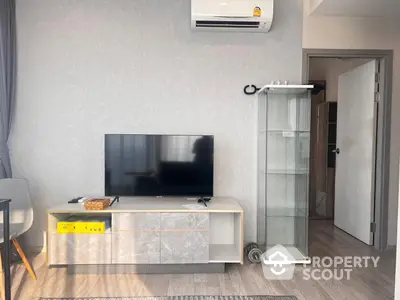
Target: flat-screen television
{"points": [[159, 165]]}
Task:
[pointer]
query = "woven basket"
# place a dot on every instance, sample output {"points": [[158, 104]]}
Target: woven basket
{"points": [[97, 204]]}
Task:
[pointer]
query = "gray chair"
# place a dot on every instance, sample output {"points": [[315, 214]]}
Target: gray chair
{"points": [[21, 213]]}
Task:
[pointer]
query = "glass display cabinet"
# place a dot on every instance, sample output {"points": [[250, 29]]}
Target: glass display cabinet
{"points": [[283, 168]]}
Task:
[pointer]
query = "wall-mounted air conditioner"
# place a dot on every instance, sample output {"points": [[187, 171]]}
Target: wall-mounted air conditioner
{"points": [[232, 15]]}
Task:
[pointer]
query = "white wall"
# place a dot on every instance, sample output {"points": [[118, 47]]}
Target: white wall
{"points": [[90, 67], [313, 4], [329, 69], [356, 8], [364, 33]]}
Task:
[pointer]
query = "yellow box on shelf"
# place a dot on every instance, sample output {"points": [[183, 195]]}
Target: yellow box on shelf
{"points": [[81, 227]]}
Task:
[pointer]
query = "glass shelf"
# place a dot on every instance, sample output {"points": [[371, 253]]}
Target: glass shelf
{"points": [[297, 256], [283, 167], [284, 151], [286, 172], [286, 212], [283, 131]]}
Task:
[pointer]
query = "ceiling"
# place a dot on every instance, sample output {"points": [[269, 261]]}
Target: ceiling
{"points": [[356, 8]]}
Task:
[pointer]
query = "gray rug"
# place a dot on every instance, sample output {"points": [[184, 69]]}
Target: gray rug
{"points": [[186, 298]]}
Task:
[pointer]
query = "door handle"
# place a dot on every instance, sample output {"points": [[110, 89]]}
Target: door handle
{"points": [[337, 150]]}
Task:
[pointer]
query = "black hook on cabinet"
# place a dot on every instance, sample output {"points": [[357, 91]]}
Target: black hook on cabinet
{"points": [[254, 89]]}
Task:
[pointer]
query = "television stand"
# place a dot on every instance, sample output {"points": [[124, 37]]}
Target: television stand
{"points": [[150, 235]]}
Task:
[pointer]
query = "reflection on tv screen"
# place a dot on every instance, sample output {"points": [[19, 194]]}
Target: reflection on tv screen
{"points": [[159, 165]]}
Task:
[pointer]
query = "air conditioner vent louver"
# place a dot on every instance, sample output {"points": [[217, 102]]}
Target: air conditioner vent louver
{"points": [[227, 24]]}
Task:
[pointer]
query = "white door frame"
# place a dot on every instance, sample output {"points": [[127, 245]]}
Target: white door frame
{"points": [[383, 135]]}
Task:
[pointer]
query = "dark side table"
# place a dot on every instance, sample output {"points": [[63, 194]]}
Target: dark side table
{"points": [[5, 207]]}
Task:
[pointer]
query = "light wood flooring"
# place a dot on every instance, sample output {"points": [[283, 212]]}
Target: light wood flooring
{"points": [[366, 283]]}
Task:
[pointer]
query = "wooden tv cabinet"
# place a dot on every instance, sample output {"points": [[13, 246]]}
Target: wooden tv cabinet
{"points": [[146, 232]]}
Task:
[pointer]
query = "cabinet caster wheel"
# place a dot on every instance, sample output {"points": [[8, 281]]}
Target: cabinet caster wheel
{"points": [[253, 252], [255, 256]]}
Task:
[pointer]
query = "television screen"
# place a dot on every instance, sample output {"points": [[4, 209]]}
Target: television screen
{"points": [[159, 165]]}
